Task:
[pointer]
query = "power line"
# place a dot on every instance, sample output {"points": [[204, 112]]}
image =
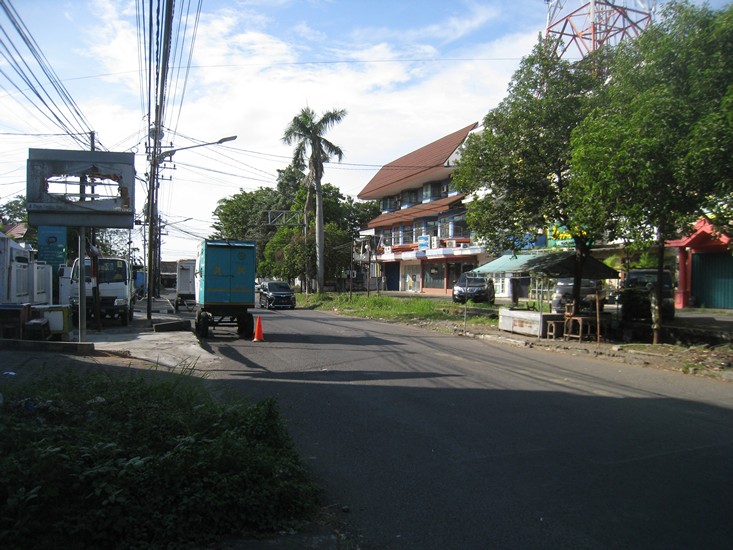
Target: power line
{"points": [[59, 108]]}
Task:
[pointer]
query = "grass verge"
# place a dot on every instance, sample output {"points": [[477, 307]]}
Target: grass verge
{"points": [[123, 461], [403, 309]]}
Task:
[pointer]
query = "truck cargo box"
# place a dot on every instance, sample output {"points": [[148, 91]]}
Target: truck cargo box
{"points": [[225, 285], [225, 273]]}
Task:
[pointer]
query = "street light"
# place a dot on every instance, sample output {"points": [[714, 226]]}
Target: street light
{"points": [[169, 153], [153, 238]]}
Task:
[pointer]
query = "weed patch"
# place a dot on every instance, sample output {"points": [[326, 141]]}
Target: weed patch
{"points": [[124, 462]]}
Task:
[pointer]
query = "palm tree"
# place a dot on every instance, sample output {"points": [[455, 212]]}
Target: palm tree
{"points": [[307, 134]]}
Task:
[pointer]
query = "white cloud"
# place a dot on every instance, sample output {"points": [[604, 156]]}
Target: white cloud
{"points": [[467, 18]]}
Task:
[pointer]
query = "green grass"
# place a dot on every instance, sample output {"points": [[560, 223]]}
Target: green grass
{"points": [[401, 309], [126, 461]]}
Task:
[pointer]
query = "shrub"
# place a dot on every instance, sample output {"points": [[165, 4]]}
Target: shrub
{"points": [[131, 462]]}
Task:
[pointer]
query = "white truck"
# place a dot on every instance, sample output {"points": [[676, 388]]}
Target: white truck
{"points": [[114, 286], [185, 284]]}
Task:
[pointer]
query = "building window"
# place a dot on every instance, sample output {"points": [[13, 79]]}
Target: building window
{"points": [[389, 204], [386, 237], [431, 228], [409, 197], [445, 231], [431, 191], [419, 231], [434, 275], [407, 233], [460, 227]]}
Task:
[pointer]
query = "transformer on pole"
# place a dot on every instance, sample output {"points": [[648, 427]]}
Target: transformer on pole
{"points": [[586, 26]]}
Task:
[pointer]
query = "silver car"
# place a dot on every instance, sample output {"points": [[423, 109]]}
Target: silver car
{"points": [[563, 294]]}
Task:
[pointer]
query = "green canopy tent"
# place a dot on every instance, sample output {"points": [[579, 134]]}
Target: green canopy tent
{"points": [[549, 265]]}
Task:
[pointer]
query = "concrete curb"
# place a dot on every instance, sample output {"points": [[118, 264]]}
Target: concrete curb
{"points": [[80, 348]]}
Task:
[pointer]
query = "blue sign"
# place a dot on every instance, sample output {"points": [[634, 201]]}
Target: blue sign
{"points": [[52, 247], [423, 242]]}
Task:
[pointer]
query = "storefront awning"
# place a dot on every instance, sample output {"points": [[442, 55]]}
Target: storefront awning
{"points": [[554, 264]]}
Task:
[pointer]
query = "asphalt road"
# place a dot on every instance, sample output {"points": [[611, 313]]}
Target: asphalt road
{"points": [[429, 441]]}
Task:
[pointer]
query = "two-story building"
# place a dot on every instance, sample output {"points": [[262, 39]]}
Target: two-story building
{"points": [[424, 242]]}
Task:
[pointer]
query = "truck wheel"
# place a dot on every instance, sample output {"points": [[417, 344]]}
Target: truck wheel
{"points": [[203, 326], [246, 326]]}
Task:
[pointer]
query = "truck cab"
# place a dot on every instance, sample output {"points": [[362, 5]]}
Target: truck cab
{"points": [[116, 289]]}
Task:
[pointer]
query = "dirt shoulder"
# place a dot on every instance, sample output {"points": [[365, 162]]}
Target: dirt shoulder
{"points": [[713, 361]]}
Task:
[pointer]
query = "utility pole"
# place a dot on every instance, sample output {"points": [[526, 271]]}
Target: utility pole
{"points": [[153, 241]]}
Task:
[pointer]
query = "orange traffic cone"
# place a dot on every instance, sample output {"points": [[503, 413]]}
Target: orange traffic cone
{"points": [[259, 337]]}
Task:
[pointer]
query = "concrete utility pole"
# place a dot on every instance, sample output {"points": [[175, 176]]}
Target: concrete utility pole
{"points": [[161, 80]]}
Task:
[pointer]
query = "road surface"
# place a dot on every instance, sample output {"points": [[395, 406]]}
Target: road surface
{"points": [[431, 441]]}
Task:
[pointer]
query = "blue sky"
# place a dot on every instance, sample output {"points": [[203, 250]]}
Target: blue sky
{"points": [[407, 72]]}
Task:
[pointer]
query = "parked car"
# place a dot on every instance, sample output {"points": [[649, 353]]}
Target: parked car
{"points": [[563, 294], [276, 294], [635, 295], [472, 286]]}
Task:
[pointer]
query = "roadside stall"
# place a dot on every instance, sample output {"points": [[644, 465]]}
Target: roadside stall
{"points": [[538, 270]]}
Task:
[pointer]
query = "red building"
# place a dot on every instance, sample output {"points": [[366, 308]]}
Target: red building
{"points": [[705, 271]]}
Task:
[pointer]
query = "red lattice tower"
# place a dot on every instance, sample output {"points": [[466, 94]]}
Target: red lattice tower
{"points": [[595, 23]]}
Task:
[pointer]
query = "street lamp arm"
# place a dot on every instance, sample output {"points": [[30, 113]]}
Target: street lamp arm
{"points": [[162, 156]]}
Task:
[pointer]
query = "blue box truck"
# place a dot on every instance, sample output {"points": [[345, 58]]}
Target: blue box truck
{"points": [[225, 286]]}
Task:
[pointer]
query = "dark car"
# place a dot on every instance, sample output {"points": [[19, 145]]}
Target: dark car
{"points": [[635, 295], [563, 294], [276, 294], [471, 286]]}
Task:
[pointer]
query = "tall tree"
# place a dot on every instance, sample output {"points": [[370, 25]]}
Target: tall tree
{"points": [[307, 133], [519, 165], [657, 148]]}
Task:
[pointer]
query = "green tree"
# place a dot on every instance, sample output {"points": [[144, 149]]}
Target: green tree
{"points": [[13, 211], [285, 255], [519, 166], [359, 213], [243, 216], [339, 242], [307, 133], [657, 147]]}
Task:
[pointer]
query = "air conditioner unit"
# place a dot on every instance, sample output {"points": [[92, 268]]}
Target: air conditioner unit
{"points": [[434, 242], [450, 243], [465, 245], [388, 250]]}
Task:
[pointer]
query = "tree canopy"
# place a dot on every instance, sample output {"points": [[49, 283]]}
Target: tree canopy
{"points": [[13, 211], [656, 149], [519, 165]]}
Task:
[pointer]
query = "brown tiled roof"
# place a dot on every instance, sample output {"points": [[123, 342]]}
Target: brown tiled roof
{"points": [[419, 165], [420, 211], [16, 230]]}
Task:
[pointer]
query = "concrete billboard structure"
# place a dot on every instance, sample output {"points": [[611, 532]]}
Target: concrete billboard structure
{"points": [[80, 188]]}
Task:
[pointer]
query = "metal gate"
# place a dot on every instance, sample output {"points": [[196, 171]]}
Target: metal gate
{"points": [[712, 280]]}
